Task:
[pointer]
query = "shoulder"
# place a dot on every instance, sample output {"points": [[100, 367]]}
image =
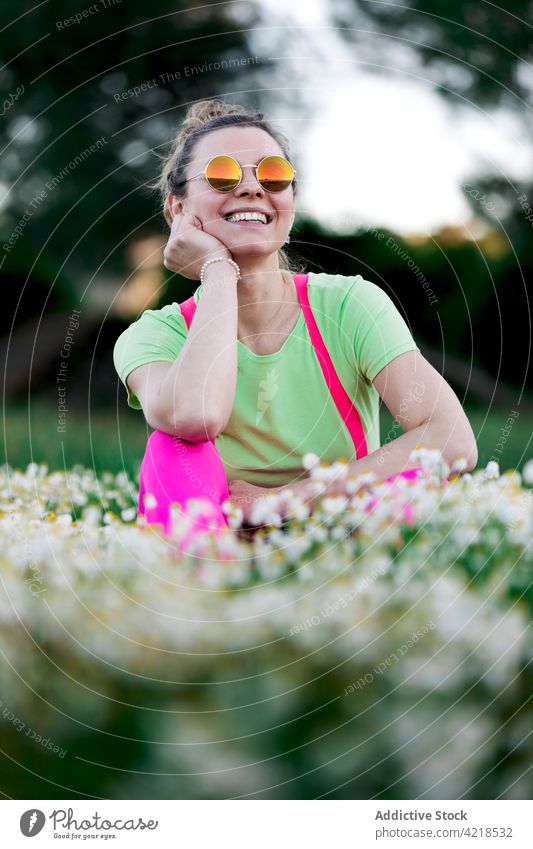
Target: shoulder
{"points": [[155, 332], [328, 291], [341, 285], [360, 316], [168, 316], [321, 281]]}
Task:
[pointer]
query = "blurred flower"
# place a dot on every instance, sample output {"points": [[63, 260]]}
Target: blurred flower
{"points": [[458, 465], [309, 461], [527, 473], [492, 470]]}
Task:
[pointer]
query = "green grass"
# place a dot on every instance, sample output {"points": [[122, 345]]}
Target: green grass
{"points": [[103, 441], [110, 441]]}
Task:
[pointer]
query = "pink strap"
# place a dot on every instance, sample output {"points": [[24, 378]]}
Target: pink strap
{"points": [[188, 309], [349, 414]]}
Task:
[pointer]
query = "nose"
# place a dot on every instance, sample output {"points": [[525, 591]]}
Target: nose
{"points": [[249, 183]]}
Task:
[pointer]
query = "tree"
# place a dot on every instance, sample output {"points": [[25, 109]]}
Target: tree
{"points": [[93, 92], [473, 49]]}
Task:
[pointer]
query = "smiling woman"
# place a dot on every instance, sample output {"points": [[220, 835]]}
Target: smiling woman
{"points": [[268, 363]]}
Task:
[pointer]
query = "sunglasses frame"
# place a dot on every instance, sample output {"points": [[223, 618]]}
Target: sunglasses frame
{"points": [[241, 167]]}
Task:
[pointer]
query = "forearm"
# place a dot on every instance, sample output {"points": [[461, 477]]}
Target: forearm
{"points": [[204, 376], [394, 456]]}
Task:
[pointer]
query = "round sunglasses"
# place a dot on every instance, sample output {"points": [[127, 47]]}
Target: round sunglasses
{"points": [[223, 173]]}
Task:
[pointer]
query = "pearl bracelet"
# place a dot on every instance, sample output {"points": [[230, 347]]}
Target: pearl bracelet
{"points": [[219, 259]]}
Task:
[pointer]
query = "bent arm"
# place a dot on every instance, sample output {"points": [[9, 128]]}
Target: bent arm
{"points": [[430, 414], [427, 409], [193, 396], [146, 383]]}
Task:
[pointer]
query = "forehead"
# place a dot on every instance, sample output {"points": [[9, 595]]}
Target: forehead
{"points": [[246, 144]]}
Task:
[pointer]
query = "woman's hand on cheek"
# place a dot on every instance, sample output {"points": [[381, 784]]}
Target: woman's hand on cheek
{"points": [[189, 246]]}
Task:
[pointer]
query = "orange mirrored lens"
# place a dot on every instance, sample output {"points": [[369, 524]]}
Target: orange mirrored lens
{"points": [[275, 173], [223, 173]]}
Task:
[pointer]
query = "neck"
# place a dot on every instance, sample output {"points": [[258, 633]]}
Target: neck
{"points": [[260, 292]]}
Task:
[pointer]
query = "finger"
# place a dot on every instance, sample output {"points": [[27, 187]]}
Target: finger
{"points": [[182, 221], [177, 224]]}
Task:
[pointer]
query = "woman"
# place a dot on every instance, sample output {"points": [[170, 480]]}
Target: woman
{"points": [[269, 364]]}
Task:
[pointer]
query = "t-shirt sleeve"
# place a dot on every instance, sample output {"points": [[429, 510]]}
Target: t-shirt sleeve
{"points": [[156, 335], [375, 327]]}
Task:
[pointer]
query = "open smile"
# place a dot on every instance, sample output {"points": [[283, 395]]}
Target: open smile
{"points": [[257, 219]]}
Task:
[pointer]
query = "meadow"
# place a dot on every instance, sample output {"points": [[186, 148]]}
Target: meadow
{"points": [[115, 441], [378, 648]]}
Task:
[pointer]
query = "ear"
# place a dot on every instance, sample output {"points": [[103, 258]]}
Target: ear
{"points": [[174, 205]]}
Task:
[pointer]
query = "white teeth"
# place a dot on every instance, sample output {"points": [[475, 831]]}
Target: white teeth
{"points": [[248, 216]]}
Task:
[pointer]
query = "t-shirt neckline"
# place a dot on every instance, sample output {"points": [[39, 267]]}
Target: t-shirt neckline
{"points": [[264, 358]]}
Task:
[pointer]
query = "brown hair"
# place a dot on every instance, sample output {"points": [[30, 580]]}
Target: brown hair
{"points": [[201, 118]]}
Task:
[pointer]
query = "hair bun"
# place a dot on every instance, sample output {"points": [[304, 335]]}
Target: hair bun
{"points": [[203, 111]]}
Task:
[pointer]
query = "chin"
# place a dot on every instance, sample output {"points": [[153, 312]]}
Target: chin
{"points": [[244, 248]]}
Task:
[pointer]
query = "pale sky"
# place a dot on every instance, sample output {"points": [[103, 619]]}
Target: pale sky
{"points": [[383, 148]]}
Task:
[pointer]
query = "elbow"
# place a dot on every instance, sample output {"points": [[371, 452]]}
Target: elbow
{"points": [[209, 426], [465, 448], [472, 457], [458, 443], [470, 454], [205, 424], [188, 426]]}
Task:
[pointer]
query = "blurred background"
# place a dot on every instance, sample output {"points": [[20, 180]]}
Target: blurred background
{"points": [[411, 132]]}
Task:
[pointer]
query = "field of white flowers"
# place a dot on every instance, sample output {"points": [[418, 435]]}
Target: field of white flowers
{"points": [[379, 648]]}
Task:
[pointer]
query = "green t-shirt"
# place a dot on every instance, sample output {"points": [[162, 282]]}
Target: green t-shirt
{"points": [[282, 407]]}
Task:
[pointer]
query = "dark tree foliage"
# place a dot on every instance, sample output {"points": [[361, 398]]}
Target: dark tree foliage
{"points": [[79, 142]]}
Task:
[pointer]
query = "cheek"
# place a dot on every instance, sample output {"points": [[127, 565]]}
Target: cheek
{"points": [[205, 208], [284, 209], [213, 223]]}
